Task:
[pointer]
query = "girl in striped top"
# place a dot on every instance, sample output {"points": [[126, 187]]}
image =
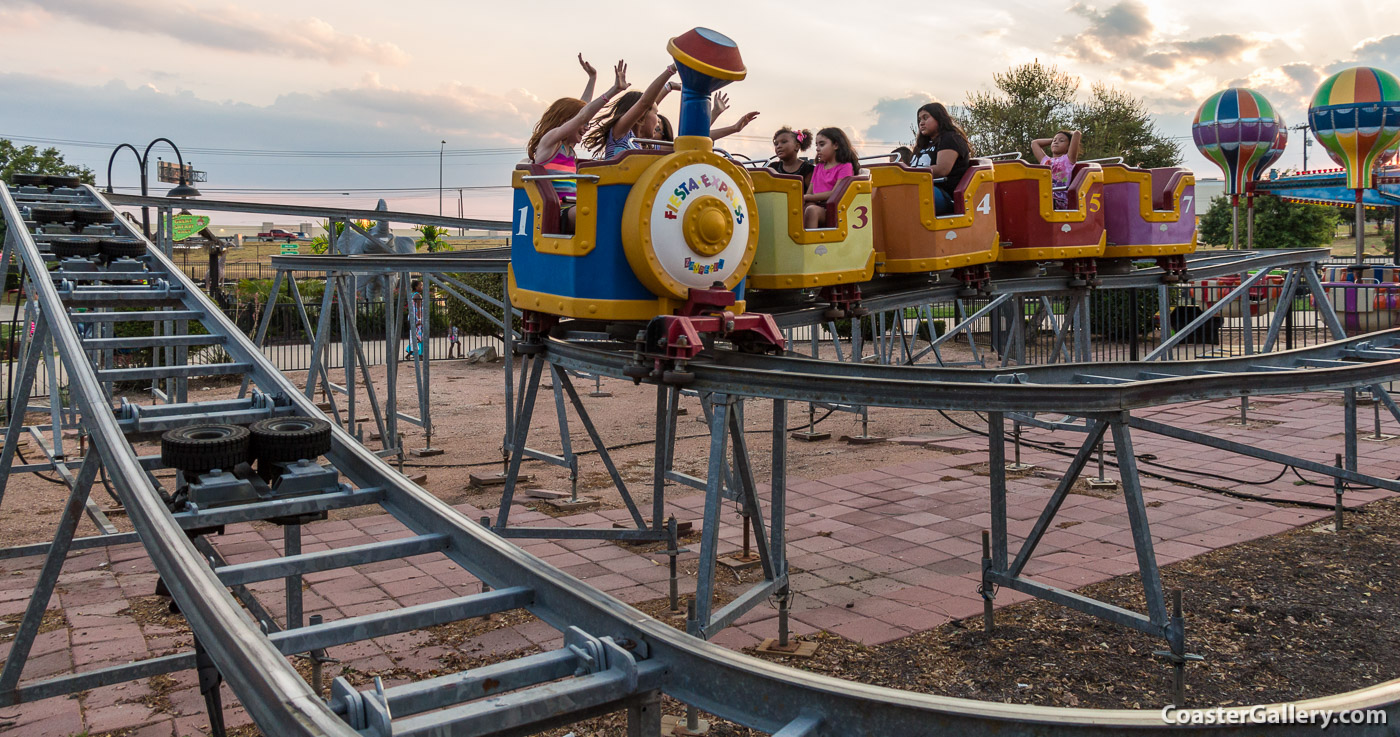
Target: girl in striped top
{"points": [[632, 116], [561, 129]]}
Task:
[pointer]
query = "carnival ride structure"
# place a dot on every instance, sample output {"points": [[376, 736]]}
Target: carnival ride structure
{"points": [[73, 252]]}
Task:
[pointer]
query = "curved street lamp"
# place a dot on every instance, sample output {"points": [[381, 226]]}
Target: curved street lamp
{"points": [[182, 189]]}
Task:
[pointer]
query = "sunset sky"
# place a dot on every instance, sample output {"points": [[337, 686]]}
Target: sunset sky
{"points": [[354, 96]]}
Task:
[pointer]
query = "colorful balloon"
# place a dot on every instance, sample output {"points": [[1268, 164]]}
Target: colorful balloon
{"points": [[1275, 150], [1236, 128], [1355, 114]]}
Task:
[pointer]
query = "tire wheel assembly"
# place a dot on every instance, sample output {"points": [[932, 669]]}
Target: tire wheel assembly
{"points": [[45, 214], [31, 180], [202, 448], [92, 215], [119, 246], [74, 246], [289, 439]]}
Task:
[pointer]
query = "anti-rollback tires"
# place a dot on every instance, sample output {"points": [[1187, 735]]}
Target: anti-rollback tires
{"points": [[119, 246], [201, 448], [288, 439]]}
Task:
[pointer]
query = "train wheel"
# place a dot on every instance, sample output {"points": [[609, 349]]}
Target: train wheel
{"points": [[833, 313]]}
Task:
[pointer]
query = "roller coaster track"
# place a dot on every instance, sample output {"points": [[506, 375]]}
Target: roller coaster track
{"points": [[615, 656]]}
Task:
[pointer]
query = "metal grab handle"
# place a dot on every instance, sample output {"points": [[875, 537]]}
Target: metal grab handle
{"points": [[1005, 156], [655, 142], [539, 177], [1110, 159], [891, 156]]}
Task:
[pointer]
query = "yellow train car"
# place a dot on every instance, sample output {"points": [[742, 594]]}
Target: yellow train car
{"points": [[910, 238], [835, 259]]}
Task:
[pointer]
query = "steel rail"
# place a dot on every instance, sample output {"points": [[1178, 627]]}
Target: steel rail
{"points": [[333, 213], [917, 387], [733, 686]]}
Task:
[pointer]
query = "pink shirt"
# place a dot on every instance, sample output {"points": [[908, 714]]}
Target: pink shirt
{"points": [[824, 178], [1060, 169]]}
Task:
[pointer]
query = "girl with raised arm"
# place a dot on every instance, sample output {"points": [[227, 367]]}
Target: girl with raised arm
{"points": [[561, 129]]}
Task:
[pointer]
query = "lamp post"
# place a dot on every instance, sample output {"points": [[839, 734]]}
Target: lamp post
{"points": [[183, 189], [442, 149]]}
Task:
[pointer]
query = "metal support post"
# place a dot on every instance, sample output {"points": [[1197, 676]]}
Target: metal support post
{"points": [[1377, 437], [644, 715], [1349, 433], [291, 546], [1016, 446], [1338, 486], [987, 589]]}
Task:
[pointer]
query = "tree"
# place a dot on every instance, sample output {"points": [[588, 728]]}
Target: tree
{"points": [[433, 238], [320, 244], [1277, 224], [1029, 102], [1117, 124], [1034, 101], [30, 160]]}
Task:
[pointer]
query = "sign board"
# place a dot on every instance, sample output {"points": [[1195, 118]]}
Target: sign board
{"points": [[290, 249], [184, 226], [170, 173]]}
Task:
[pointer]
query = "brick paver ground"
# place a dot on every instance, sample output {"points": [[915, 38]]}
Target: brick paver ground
{"points": [[877, 554]]}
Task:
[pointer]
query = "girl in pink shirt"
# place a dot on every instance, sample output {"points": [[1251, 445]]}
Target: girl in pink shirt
{"points": [[1064, 152], [836, 160]]}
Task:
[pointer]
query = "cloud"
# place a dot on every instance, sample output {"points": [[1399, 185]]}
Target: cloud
{"points": [[227, 28], [894, 117], [1124, 36], [1380, 51]]}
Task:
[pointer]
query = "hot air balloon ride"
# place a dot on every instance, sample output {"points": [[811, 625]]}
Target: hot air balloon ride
{"points": [[1237, 128], [1355, 114]]}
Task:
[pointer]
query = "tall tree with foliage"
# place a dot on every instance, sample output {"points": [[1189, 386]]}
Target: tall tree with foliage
{"points": [[1035, 100], [1277, 224], [1029, 102], [30, 160], [1117, 124]]}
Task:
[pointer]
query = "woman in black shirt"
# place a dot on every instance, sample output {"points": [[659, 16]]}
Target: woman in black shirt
{"points": [[942, 148]]}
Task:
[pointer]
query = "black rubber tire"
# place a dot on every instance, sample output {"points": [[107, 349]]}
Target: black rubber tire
{"points": [[30, 180], [528, 349], [287, 439], [832, 313], [50, 214], [677, 378], [64, 180], [74, 246], [118, 246], [200, 448], [92, 215]]}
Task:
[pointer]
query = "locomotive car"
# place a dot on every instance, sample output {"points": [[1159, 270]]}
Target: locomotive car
{"points": [[835, 259], [1032, 229], [911, 238], [661, 236], [1150, 213]]}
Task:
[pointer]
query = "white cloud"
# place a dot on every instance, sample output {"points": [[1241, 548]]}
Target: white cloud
{"points": [[227, 28]]}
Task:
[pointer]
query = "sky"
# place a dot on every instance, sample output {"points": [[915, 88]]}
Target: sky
{"points": [[342, 102]]}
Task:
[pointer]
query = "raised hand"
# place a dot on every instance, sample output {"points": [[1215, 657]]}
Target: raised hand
{"points": [[746, 119], [587, 68], [620, 74], [719, 105]]}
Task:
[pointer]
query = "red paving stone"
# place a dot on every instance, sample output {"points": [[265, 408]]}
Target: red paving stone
{"points": [[877, 554]]}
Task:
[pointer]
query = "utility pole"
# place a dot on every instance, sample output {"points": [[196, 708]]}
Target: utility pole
{"points": [[440, 152], [1307, 141]]}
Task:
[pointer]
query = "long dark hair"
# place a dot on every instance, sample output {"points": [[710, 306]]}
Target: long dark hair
{"points": [[845, 152], [597, 138], [945, 124]]}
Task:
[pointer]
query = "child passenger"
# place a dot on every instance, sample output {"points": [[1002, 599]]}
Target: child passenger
{"points": [[942, 147], [1064, 153], [836, 160], [633, 116], [787, 144], [561, 129]]}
